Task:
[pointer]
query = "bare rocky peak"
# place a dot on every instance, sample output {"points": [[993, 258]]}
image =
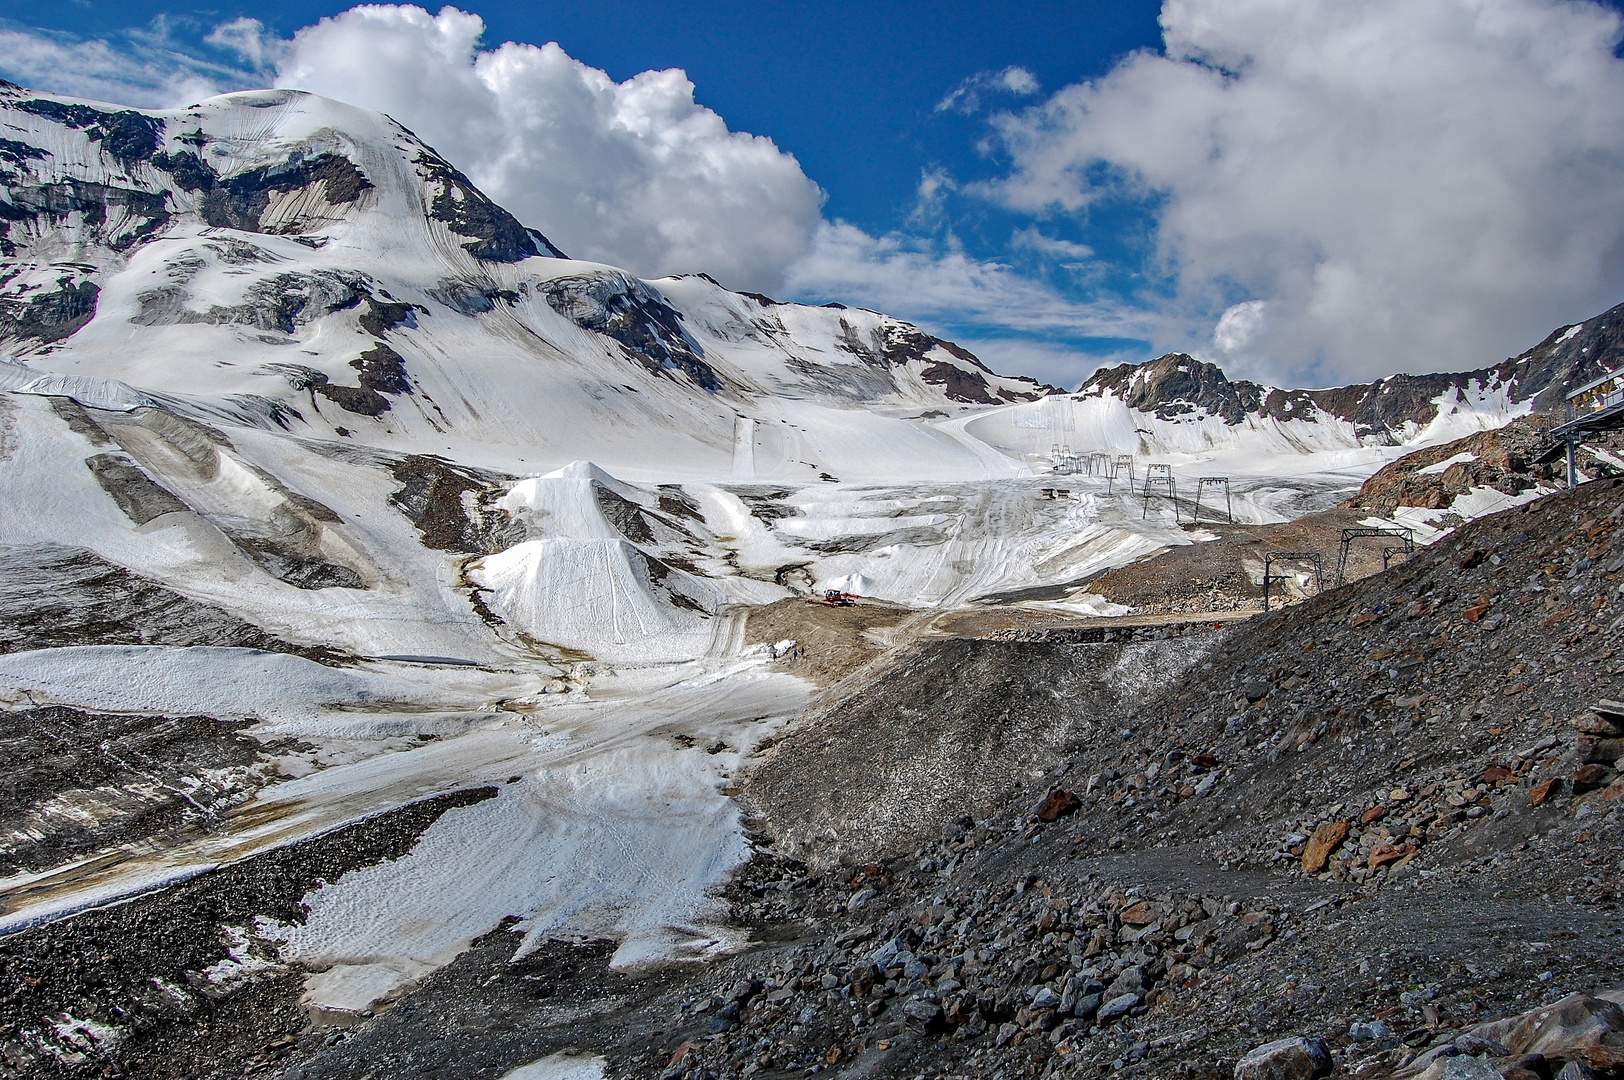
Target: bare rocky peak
{"points": [[1386, 410]]}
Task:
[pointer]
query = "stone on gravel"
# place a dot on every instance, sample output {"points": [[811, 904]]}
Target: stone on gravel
{"points": [[1059, 803], [1326, 839], [1286, 1059], [1460, 1068], [1575, 1021], [1117, 1006]]}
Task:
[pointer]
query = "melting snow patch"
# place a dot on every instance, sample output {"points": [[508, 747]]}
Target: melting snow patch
{"points": [[560, 1066], [86, 1035], [1428, 526], [1439, 467], [240, 962], [618, 832]]}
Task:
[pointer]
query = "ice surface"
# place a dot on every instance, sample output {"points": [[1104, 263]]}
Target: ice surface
{"points": [[560, 1066], [1438, 467], [615, 828]]}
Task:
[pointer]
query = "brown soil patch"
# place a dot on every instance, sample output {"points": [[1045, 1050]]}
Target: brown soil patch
{"points": [[831, 642]]}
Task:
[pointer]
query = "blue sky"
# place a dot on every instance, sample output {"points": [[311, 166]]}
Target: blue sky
{"points": [[1303, 190]]}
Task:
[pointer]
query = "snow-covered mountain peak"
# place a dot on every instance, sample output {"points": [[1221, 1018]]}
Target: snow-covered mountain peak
{"points": [[277, 259]]}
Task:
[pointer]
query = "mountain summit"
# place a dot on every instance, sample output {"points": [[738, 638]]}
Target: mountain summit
{"points": [[279, 259]]}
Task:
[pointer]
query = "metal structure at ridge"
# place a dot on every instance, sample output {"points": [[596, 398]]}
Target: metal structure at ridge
{"points": [[1596, 406], [1301, 558], [1406, 544], [1159, 476]]}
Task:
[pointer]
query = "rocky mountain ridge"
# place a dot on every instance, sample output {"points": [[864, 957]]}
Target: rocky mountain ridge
{"points": [[1389, 410]]}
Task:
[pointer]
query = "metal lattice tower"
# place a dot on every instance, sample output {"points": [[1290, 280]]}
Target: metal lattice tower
{"points": [[1301, 558], [1391, 550], [1204, 482], [1123, 461], [1099, 464], [1406, 542], [1158, 476]]}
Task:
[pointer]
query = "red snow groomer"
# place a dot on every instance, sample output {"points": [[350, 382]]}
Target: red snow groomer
{"points": [[834, 598]]}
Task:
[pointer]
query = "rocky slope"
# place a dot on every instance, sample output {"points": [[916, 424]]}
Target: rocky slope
{"points": [[1383, 821], [1378, 819]]}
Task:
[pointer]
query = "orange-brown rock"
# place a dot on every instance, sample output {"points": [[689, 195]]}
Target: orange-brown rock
{"points": [[1540, 792], [1326, 839], [1137, 915], [1375, 813], [1058, 805], [1384, 854], [1589, 778]]}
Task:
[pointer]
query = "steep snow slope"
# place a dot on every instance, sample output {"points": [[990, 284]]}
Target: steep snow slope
{"points": [[280, 260]]}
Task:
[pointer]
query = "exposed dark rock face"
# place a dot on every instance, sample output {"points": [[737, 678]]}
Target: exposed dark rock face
{"points": [[494, 233], [382, 316], [896, 344], [117, 216], [451, 506], [240, 201], [49, 317], [464, 297], [281, 303], [127, 136], [1177, 385], [382, 370], [622, 308]]}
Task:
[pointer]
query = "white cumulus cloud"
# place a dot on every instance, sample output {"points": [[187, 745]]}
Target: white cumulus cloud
{"points": [[946, 288], [143, 69], [634, 173], [1405, 184]]}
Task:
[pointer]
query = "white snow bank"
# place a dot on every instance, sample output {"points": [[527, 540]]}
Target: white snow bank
{"points": [[560, 1066], [600, 596], [564, 503], [1425, 524], [1438, 467], [617, 828], [85, 389], [198, 680]]}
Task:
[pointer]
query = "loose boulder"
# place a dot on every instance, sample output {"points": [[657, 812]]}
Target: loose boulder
{"points": [[1286, 1059]]}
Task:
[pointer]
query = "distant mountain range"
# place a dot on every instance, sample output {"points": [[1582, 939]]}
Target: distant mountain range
{"points": [[1394, 409], [287, 262]]}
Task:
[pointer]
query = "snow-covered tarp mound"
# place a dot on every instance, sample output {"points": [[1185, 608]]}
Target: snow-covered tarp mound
{"points": [[602, 597]]}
